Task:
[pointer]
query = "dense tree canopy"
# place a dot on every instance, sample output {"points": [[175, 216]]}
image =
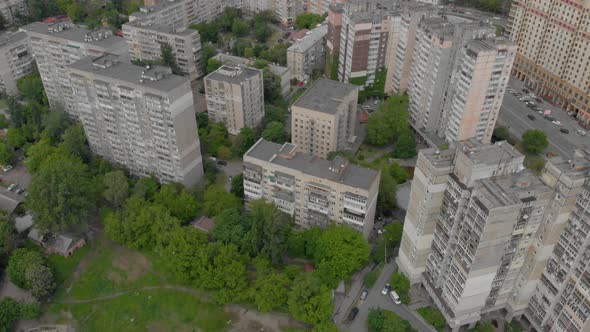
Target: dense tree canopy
{"points": [[243, 141], [308, 20], [116, 188], [27, 269], [275, 132], [389, 121], [309, 300], [534, 141], [386, 200]]}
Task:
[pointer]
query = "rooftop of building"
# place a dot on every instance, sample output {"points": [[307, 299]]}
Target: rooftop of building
{"points": [[576, 168], [102, 37], [511, 189], [488, 44], [480, 153], [10, 37], [119, 68], [309, 39], [147, 11], [236, 60], [299, 34], [338, 170], [165, 29], [439, 158], [325, 95], [233, 74]]}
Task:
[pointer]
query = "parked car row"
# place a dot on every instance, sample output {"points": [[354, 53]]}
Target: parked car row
{"points": [[14, 187]]}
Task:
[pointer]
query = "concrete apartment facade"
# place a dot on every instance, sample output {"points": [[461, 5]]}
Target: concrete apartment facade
{"points": [[308, 53], [57, 45], [479, 229], [286, 11], [145, 43], [139, 117], [438, 54], [324, 118], [553, 51], [314, 191], [12, 9], [478, 84], [235, 97], [281, 72], [334, 28], [16, 60], [256, 6], [363, 41], [175, 14]]}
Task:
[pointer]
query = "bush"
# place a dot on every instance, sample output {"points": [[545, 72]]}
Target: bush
{"points": [[371, 278], [401, 284], [501, 133], [434, 317], [534, 141]]}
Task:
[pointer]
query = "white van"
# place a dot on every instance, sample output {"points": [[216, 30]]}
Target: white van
{"points": [[395, 297]]}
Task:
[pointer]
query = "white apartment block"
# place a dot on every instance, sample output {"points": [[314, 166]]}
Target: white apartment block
{"points": [[553, 51], [438, 54], [479, 85], [314, 191], [12, 9], [286, 11], [308, 53], [139, 117], [324, 118], [57, 45], [256, 6], [176, 14], [235, 97], [479, 229], [16, 60], [145, 43]]}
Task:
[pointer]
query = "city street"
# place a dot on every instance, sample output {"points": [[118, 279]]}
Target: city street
{"points": [[376, 300], [513, 115]]}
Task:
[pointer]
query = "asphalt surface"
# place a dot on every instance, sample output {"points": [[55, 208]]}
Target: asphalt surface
{"points": [[513, 115], [376, 300]]}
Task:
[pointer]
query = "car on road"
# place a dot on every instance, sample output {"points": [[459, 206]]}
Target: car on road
{"points": [[352, 314], [12, 186], [364, 294], [531, 117], [582, 132], [222, 163], [525, 90], [565, 131], [556, 122], [6, 168], [20, 191], [532, 95], [386, 289], [395, 297], [539, 100], [549, 118]]}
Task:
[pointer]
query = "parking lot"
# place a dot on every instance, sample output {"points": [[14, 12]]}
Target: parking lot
{"points": [[562, 134]]}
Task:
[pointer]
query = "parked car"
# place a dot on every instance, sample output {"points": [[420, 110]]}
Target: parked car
{"points": [[386, 289], [571, 113], [563, 130], [6, 168], [532, 95], [549, 118], [352, 314], [20, 191], [539, 100], [364, 294], [555, 122], [531, 117], [395, 297], [12, 186], [222, 163], [525, 90], [582, 132]]}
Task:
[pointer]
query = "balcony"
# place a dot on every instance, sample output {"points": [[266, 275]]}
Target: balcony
{"points": [[353, 219]]}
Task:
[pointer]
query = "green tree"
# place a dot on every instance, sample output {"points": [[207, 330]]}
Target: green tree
{"points": [[179, 202], [213, 64], [229, 274], [269, 231], [230, 227], [339, 252], [217, 199], [146, 188], [371, 278], [272, 85], [243, 141], [380, 320], [31, 88], [405, 147], [76, 12], [74, 143], [393, 233], [169, 59], [20, 261], [434, 317], [378, 130], [15, 137], [270, 291], [40, 281], [399, 174], [3, 121], [9, 314], [401, 284], [260, 63], [6, 237], [55, 123], [501, 133], [386, 200], [209, 32], [229, 16], [116, 188], [6, 153], [240, 46], [274, 114], [262, 31], [317, 298], [275, 132], [61, 194], [483, 327], [207, 52], [38, 153], [237, 185], [187, 254], [240, 28], [534, 141], [307, 21], [223, 152]]}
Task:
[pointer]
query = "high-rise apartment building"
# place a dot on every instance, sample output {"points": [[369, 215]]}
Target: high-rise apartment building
{"points": [[286, 11], [324, 118], [139, 117], [16, 60], [175, 14], [59, 44], [145, 42], [235, 97], [480, 229], [435, 85], [334, 28], [11, 10], [312, 190], [256, 6], [319, 7], [363, 41], [553, 51], [308, 53]]}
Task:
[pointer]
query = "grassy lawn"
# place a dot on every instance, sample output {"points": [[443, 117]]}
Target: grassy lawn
{"points": [[154, 310], [63, 266], [433, 316]]}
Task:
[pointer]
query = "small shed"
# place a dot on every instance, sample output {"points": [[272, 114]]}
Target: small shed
{"points": [[56, 243]]}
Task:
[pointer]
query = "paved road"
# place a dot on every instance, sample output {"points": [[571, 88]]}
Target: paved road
{"points": [[513, 114], [376, 300]]}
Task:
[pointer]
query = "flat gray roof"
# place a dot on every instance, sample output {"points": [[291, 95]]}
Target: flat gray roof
{"points": [[236, 60], [353, 175], [105, 38], [310, 39], [150, 10], [138, 24], [7, 38], [233, 74], [488, 153], [119, 68], [325, 95]]}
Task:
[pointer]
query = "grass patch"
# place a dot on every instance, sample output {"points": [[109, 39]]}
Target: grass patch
{"points": [[296, 95], [154, 310], [62, 267], [434, 317]]}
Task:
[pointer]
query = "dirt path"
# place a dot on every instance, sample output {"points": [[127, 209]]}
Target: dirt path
{"points": [[118, 294]]}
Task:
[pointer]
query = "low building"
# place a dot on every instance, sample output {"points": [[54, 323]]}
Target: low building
{"points": [[308, 53], [16, 60], [235, 97], [324, 118], [56, 243], [314, 191]]}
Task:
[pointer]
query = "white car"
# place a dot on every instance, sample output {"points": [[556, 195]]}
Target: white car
{"points": [[12, 186], [386, 289], [555, 122], [532, 95], [395, 297], [6, 168], [582, 132]]}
